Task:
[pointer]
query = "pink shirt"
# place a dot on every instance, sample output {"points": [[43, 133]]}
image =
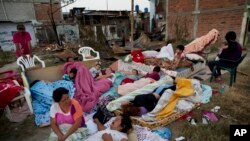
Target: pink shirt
{"points": [[22, 40]]}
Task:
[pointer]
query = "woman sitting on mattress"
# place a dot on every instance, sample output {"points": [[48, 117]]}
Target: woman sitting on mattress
{"points": [[67, 120], [116, 132], [147, 79]]}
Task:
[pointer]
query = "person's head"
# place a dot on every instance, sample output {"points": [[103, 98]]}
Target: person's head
{"points": [[20, 28], [230, 36], [72, 73], [135, 72], [157, 69], [70, 59], [108, 70], [179, 49], [61, 96], [122, 124], [98, 66]]}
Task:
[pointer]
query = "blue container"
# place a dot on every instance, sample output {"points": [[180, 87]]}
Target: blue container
{"points": [[137, 8]]}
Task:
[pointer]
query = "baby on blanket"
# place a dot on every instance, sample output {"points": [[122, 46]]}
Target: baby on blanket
{"points": [[130, 76], [147, 79]]}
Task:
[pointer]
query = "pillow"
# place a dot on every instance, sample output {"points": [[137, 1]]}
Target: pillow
{"points": [[150, 53], [194, 57], [127, 58]]}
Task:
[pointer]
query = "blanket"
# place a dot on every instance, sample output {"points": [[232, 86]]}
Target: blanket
{"points": [[166, 52], [88, 91], [190, 92], [130, 87], [8, 91], [116, 104], [202, 42], [42, 100], [184, 88]]}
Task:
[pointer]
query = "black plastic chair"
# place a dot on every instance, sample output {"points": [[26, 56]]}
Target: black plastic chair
{"points": [[231, 70]]}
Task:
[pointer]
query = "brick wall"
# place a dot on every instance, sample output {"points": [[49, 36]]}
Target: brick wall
{"points": [[223, 15], [41, 10]]}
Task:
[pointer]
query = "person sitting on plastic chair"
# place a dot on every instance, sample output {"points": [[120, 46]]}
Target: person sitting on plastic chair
{"points": [[228, 57]]}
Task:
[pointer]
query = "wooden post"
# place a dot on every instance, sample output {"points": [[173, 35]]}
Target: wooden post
{"points": [[132, 24], [196, 12], [166, 28]]}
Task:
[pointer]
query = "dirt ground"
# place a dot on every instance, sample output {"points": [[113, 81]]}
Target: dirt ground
{"points": [[234, 104]]}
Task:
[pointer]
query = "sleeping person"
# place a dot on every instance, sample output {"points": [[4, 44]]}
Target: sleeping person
{"points": [[130, 77], [145, 80], [71, 75]]}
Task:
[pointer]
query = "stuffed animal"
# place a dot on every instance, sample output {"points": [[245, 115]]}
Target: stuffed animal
{"points": [[137, 56]]}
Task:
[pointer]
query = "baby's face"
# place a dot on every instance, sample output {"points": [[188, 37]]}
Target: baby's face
{"points": [[178, 51], [134, 72]]}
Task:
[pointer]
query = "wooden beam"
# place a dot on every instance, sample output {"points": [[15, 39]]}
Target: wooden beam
{"points": [[132, 24]]}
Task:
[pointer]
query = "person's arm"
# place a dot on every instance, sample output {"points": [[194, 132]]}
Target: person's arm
{"points": [[100, 126], [55, 128], [104, 76], [73, 128], [30, 47]]}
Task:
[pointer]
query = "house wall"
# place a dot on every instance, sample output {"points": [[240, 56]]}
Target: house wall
{"points": [[200, 16], [6, 32]]}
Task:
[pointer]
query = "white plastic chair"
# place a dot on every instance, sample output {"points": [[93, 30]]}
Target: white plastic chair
{"points": [[86, 52], [23, 94], [28, 61]]}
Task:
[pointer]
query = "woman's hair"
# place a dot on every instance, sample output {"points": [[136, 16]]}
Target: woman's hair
{"points": [[130, 110], [126, 124], [20, 27], [137, 72], [58, 93], [73, 70], [231, 37], [180, 47], [157, 69]]}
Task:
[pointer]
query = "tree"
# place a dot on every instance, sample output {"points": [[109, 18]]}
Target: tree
{"points": [[51, 13]]}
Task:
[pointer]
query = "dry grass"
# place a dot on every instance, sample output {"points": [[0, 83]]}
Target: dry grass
{"points": [[233, 103]]}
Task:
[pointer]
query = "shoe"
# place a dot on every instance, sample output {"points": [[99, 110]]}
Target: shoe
{"points": [[191, 120], [205, 120]]}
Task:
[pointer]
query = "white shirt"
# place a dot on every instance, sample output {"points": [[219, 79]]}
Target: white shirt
{"points": [[94, 71]]}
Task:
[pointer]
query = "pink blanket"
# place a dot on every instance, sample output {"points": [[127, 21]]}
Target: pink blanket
{"points": [[202, 42], [88, 91], [130, 87]]}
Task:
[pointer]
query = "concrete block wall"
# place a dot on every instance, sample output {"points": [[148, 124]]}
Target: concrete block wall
{"points": [[223, 15]]}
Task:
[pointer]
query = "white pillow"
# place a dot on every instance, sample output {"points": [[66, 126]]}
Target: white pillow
{"points": [[193, 56], [150, 53]]}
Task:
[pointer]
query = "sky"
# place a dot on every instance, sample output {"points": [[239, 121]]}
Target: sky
{"points": [[108, 4]]}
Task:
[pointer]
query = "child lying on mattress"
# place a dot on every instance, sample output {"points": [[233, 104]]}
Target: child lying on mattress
{"points": [[130, 76], [71, 76], [117, 131], [108, 74], [147, 79]]}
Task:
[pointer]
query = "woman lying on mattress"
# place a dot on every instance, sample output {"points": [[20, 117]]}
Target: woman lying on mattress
{"points": [[147, 79], [148, 101]]}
